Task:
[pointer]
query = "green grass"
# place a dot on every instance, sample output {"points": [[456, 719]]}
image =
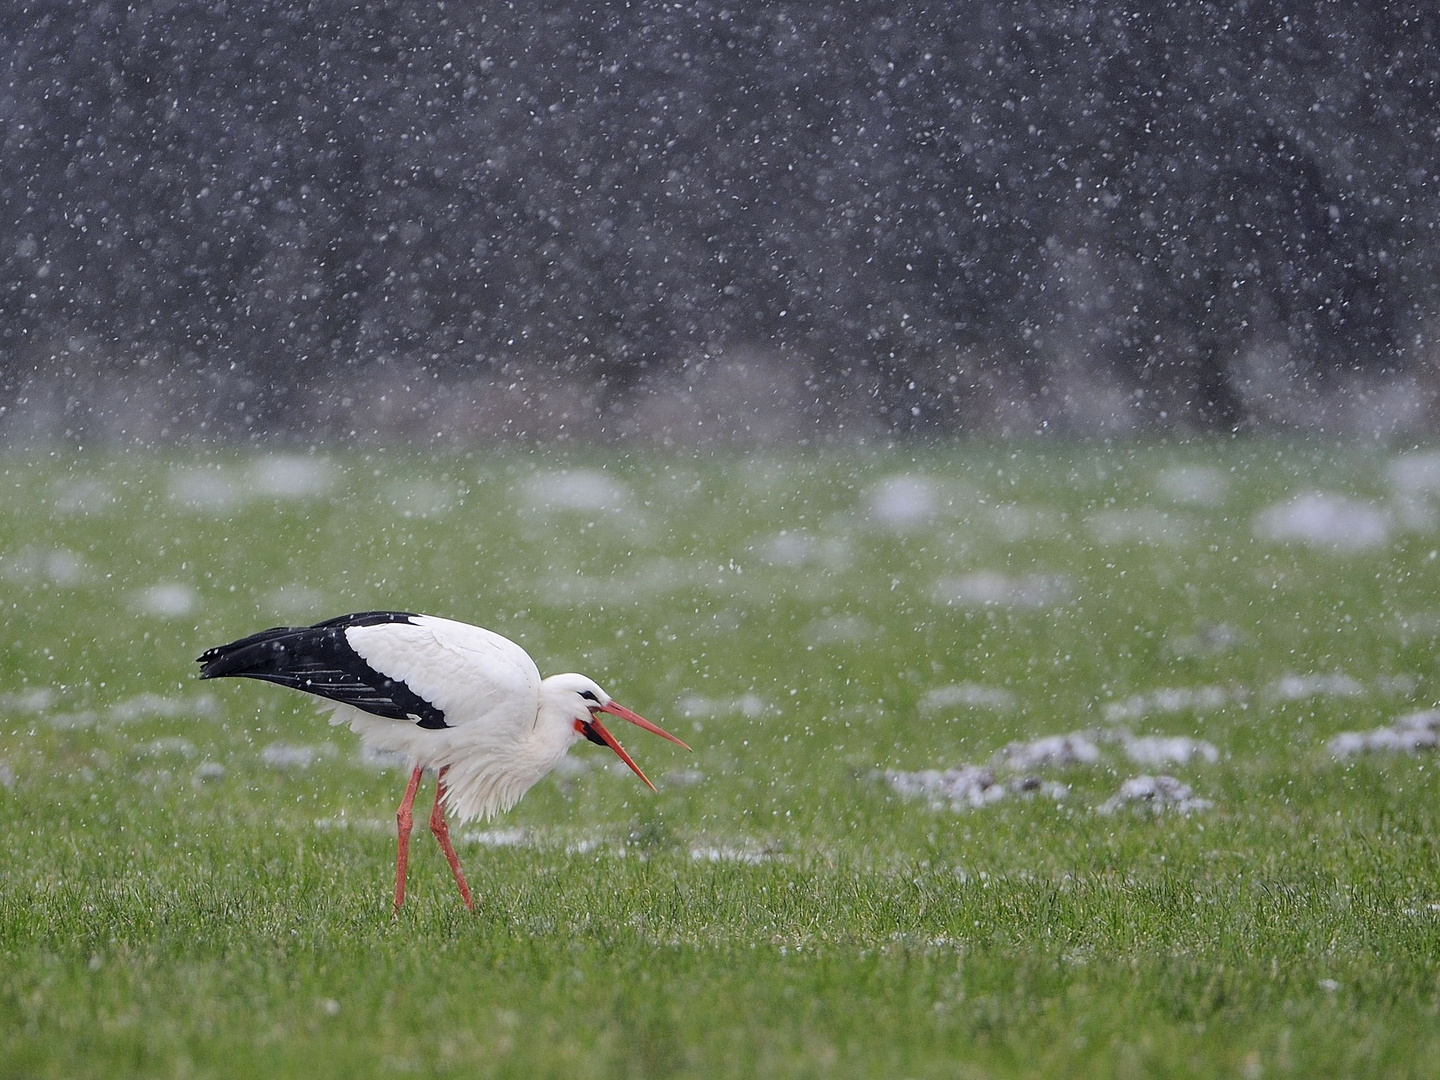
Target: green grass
{"points": [[173, 906]]}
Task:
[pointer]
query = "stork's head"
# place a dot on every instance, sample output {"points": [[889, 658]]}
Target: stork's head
{"points": [[582, 701]]}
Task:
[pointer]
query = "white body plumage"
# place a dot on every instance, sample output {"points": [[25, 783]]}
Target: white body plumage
{"points": [[458, 699], [508, 727]]}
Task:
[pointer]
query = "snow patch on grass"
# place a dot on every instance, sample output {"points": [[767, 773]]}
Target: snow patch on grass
{"points": [[747, 705], [1317, 684], [989, 588], [1013, 770], [512, 837], [342, 822], [1415, 473], [1165, 750], [726, 853], [35, 700], [168, 599], [967, 695], [152, 706], [1193, 485], [1171, 700], [55, 566], [205, 489], [901, 503], [1412, 732], [291, 476], [1327, 521], [283, 755], [578, 490], [169, 745], [969, 786], [1142, 525], [1051, 751], [1157, 794], [373, 757], [207, 772]]}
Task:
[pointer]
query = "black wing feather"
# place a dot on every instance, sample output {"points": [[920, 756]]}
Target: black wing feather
{"points": [[319, 660]]}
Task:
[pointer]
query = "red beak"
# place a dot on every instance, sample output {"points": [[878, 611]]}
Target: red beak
{"points": [[614, 744]]}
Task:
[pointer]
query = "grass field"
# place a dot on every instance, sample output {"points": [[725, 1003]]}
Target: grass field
{"points": [[196, 875]]}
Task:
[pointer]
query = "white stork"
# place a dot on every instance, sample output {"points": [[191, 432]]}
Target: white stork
{"points": [[455, 698]]}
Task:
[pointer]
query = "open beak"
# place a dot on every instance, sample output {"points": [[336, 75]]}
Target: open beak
{"points": [[614, 744]]}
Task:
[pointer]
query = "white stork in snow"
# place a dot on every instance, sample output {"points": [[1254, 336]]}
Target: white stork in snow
{"points": [[455, 698]]}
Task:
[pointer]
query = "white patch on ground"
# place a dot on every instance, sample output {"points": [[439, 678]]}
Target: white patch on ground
{"points": [[204, 489], [1210, 640], [1155, 793], [1403, 684], [57, 566], [282, 755], [968, 786], [1412, 732], [516, 837], [1415, 473], [684, 777], [796, 548], [7, 776], [1014, 522], [420, 499], [1193, 485], [82, 497], [582, 490], [1417, 626], [1012, 770], [150, 706], [1170, 700], [721, 853], [1414, 486], [840, 629], [1051, 751], [1326, 520], [964, 785], [1139, 526], [1318, 684], [1167, 749], [207, 772], [987, 588], [343, 821], [292, 476], [169, 599], [1030, 785], [747, 705], [374, 757], [162, 747], [650, 578], [73, 721], [36, 700], [967, 695], [903, 502]]}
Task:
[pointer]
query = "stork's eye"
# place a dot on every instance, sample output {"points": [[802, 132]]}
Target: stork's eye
{"points": [[589, 695]]}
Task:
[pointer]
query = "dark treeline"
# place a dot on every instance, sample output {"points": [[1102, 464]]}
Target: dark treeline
{"points": [[260, 216]]}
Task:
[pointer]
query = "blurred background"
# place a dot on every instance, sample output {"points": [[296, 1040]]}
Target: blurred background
{"points": [[462, 223]]}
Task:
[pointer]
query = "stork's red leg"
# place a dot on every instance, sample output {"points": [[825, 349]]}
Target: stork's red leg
{"points": [[402, 849], [441, 830]]}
